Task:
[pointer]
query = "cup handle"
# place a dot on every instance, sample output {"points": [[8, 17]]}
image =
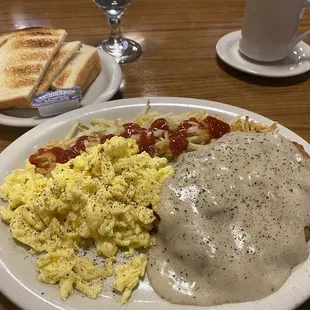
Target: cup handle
{"points": [[300, 36]]}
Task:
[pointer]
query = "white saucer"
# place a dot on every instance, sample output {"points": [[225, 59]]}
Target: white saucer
{"points": [[297, 62]]}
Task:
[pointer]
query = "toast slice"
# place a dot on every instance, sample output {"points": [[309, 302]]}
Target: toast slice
{"points": [[92, 76], [78, 69], [25, 56], [66, 51]]}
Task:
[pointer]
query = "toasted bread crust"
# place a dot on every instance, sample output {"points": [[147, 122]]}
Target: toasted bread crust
{"points": [[60, 59], [18, 102], [27, 69], [64, 79], [3, 39], [31, 31], [92, 76], [34, 43], [33, 56], [83, 75], [20, 82]]}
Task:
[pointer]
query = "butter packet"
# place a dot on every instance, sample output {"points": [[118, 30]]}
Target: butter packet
{"points": [[57, 101]]}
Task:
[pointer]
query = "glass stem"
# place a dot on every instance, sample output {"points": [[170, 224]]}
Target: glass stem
{"points": [[115, 29]]}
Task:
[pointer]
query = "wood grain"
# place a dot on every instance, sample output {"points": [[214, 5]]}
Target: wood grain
{"points": [[178, 39]]}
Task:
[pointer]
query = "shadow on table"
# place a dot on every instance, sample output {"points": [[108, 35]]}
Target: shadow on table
{"points": [[263, 81], [305, 306], [118, 95], [6, 304]]}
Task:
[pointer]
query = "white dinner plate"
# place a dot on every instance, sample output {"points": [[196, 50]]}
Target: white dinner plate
{"points": [[102, 89], [17, 268]]}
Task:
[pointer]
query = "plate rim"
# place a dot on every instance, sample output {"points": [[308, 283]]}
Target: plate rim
{"points": [[14, 121], [15, 290]]}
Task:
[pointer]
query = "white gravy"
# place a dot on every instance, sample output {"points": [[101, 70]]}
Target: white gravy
{"points": [[232, 221]]}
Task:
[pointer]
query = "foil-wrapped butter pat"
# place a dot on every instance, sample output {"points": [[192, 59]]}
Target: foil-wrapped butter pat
{"points": [[57, 101]]}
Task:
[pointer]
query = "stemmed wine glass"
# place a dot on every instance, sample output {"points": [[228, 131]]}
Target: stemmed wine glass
{"points": [[123, 50]]}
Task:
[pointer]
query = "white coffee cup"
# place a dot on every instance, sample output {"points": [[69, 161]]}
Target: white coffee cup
{"points": [[269, 30]]}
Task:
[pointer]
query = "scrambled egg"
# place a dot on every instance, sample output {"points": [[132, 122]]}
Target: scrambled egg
{"points": [[64, 268], [127, 276], [107, 194]]}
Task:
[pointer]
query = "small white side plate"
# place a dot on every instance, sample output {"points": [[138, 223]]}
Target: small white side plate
{"points": [[297, 62], [102, 89]]}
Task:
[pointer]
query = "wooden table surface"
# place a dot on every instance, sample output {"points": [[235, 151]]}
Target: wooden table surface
{"points": [[178, 39]]}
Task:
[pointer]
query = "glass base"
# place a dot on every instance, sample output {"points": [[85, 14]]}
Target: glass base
{"points": [[124, 51]]}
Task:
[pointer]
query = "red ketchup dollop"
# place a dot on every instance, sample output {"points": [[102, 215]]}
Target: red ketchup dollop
{"points": [[131, 129], [189, 123], [177, 140], [79, 145], [104, 138], [160, 123], [45, 158], [178, 143], [41, 150], [216, 127], [147, 143]]}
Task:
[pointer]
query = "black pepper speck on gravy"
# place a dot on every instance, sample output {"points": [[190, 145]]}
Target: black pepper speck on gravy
{"points": [[232, 221]]}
